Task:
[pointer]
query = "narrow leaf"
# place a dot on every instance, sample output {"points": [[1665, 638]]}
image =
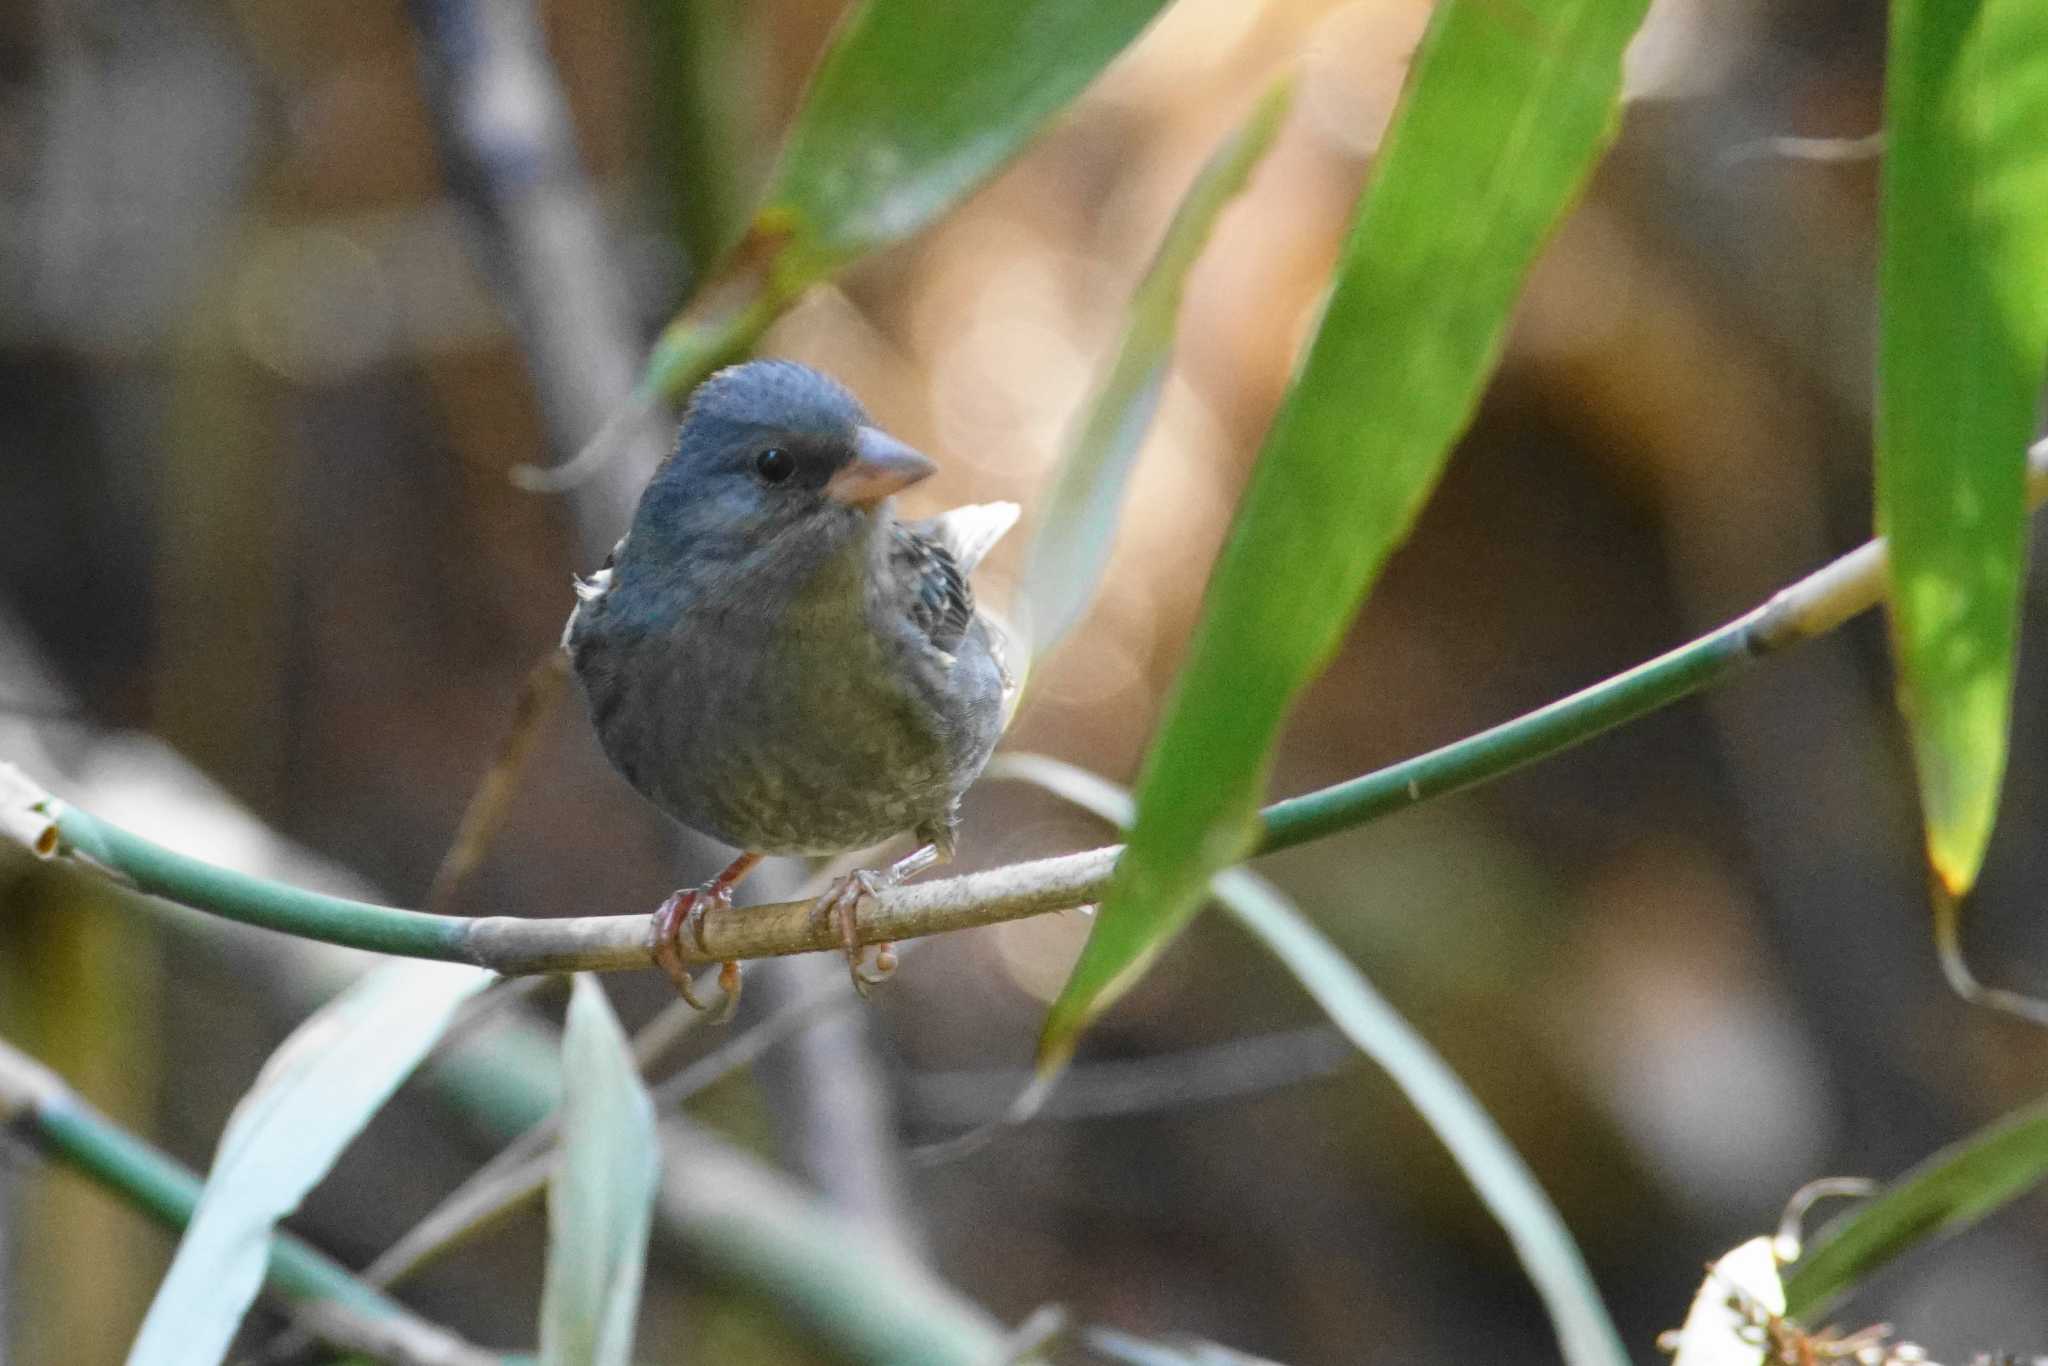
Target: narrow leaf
{"points": [[1506, 109], [601, 1201], [1503, 1181], [1943, 1195], [1077, 520], [314, 1095], [1963, 324], [915, 104], [912, 107]]}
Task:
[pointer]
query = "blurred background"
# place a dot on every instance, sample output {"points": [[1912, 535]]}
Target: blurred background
{"points": [[267, 361]]}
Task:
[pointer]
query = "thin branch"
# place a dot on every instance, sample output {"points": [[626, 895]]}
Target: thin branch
{"points": [[522, 1167], [516, 946], [496, 1191], [501, 122], [816, 1001], [1204, 1075], [481, 819], [341, 1310]]}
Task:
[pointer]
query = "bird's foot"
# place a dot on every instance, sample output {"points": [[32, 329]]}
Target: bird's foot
{"points": [[688, 907], [685, 907], [841, 906]]}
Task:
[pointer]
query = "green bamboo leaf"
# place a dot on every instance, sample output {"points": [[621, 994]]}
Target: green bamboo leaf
{"points": [[1963, 340], [1506, 109], [601, 1201], [1942, 1196], [315, 1094], [913, 106], [1502, 1180], [1077, 521]]}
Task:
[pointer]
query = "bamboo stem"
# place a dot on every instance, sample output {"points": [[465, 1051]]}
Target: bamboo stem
{"points": [[514, 946]]}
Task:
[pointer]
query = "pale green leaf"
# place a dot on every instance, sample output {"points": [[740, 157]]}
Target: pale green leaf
{"points": [[315, 1094], [601, 1200], [1077, 520], [1502, 1180]]}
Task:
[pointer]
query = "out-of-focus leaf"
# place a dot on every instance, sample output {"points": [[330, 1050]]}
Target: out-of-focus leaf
{"points": [[704, 62], [1507, 108], [601, 1201], [314, 1095], [914, 105], [1963, 338], [1720, 1328], [1943, 1195], [1077, 520], [1133, 1350], [1503, 1181]]}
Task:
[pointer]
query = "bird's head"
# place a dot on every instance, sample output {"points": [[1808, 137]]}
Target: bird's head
{"points": [[772, 449]]}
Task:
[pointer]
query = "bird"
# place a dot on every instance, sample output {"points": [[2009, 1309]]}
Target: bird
{"points": [[774, 659]]}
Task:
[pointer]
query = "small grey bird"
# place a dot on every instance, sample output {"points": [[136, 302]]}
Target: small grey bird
{"points": [[776, 661]]}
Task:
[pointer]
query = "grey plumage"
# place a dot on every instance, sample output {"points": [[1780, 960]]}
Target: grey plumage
{"points": [[779, 662]]}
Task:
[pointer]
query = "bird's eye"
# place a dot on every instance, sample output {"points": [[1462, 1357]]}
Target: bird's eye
{"points": [[774, 465]]}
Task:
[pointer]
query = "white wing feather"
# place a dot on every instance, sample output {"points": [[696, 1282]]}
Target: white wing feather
{"points": [[590, 589], [970, 532]]}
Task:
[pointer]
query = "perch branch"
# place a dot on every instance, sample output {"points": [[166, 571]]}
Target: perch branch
{"points": [[514, 945]]}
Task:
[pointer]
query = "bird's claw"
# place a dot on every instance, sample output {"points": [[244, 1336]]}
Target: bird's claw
{"points": [[688, 906], [885, 968], [841, 905], [662, 934], [729, 982]]}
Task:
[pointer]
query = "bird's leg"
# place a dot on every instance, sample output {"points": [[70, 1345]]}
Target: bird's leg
{"points": [[842, 904], [688, 906]]}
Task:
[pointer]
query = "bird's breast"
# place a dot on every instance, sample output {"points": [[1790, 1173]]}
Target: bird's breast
{"points": [[792, 731]]}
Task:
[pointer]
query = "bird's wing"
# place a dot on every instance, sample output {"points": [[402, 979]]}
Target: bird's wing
{"points": [[940, 602], [934, 557], [970, 532], [934, 560]]}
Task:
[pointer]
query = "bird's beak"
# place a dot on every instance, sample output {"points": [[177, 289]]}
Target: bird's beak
{"points": [[881, 465]]}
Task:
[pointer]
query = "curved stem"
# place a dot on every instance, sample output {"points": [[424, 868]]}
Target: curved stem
{"points": [[515, 945], [343, 1310]]}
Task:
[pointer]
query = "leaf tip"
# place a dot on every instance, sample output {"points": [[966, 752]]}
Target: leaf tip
{"points": [[1955, 869]]}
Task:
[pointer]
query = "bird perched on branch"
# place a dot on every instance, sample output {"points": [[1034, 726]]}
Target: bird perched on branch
{"points": [[776, 661]]}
